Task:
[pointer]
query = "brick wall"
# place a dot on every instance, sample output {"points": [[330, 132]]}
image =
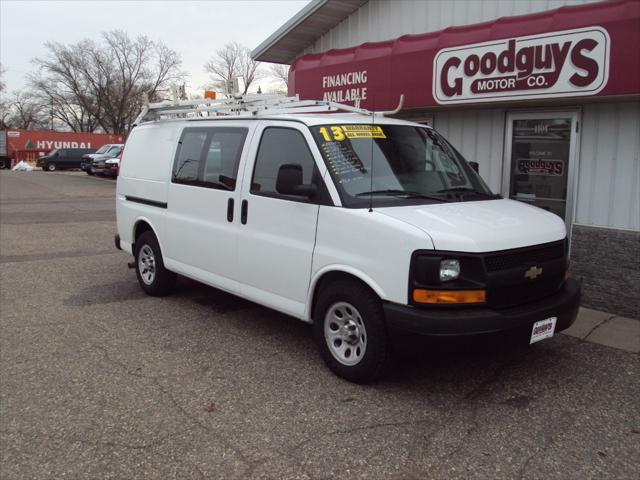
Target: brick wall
{"points": [[608, 260]]}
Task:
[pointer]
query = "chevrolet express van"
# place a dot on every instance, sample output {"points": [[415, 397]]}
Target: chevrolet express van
{"points": [[360, 224]]}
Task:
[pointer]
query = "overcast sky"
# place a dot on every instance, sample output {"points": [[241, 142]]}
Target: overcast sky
{"points": [[195, 29]]}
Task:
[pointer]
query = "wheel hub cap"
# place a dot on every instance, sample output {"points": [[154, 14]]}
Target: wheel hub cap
{"points": [[345, 333], [147, 264]]}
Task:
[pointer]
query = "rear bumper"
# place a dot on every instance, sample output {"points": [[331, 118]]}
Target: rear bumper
{"points": [[463, 322]]}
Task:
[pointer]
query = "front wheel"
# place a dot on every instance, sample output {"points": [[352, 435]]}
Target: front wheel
{"points": [[51, 167], [154, 279], [350, 331]]}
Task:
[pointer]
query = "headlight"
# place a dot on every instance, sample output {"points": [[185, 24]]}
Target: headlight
{"points": [[449, 270]]}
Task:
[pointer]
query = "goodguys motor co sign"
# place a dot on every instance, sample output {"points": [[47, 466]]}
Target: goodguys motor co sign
{"points": [[557, 64]]}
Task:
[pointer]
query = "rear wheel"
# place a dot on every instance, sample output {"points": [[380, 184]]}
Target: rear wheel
{"points": [[153, 278], [51, 167], [350, 331]]}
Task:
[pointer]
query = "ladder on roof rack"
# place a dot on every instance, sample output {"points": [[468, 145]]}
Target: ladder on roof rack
{"points": [[248, 106]]}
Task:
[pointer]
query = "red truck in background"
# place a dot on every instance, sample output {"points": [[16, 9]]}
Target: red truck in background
{"points": [[29, 145]]}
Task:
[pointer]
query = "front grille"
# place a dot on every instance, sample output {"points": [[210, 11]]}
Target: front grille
{"points": [[524, 257], [519, 293]]}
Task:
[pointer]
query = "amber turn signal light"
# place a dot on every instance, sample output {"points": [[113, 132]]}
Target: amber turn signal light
{"points": [[449, 297]]}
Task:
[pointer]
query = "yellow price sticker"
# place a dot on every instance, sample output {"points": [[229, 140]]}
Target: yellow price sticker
{"points": [[340, 132]]}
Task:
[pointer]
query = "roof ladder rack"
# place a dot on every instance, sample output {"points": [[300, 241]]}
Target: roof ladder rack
{"points": [[247, 106]]}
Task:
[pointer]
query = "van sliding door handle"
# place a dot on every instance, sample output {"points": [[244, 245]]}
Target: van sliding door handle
{"points": [[243, 211], [230, 210]]}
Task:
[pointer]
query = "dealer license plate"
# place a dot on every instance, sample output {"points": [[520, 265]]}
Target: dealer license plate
{"points": [[543, 329]]}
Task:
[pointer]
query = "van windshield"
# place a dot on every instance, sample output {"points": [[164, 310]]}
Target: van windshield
{"points": [[388, 165]]}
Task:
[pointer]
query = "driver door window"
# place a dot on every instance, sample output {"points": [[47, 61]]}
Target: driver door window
{"points": [[280, 146]]}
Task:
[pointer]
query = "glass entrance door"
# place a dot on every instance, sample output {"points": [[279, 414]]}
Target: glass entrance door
{"points": [[539, 160]]}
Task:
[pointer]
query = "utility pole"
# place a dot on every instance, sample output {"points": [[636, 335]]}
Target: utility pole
{"points": [[52, 114]]}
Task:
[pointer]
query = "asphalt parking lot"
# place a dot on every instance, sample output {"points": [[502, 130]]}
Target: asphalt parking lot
{"points": [[99, 381]]}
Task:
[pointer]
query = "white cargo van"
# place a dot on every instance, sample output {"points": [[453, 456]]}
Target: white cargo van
{"points": [[361, 224]]}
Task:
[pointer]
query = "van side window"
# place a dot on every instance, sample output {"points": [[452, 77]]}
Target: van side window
{"points": [[209, 157], [223, 156], [279, 146], [187, 164]]}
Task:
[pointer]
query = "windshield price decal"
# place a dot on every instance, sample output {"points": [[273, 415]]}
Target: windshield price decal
{"points": [[340, 132]]}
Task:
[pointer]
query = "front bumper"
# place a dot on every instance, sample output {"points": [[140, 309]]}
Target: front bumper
{"points": [[107, 172], [472, 321]]}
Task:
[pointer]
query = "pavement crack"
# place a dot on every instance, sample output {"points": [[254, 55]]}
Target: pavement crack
{"points": [[596, 327], [98, 443], [549, 440], [473, 395]]}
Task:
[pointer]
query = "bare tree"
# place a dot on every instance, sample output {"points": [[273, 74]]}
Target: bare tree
{"points": [[5, 114], [63, 106], [5, 110], [2, 84], [26, 112], [281, 73], [102, 84], [233, 60]]}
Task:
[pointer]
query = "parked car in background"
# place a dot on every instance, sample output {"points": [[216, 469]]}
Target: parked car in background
{"points": [[111, 149], [104, 164], [112, 167], [62, 158]]}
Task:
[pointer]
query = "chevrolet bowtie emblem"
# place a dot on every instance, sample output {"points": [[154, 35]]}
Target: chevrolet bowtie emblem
{"points": [[533, 272]]}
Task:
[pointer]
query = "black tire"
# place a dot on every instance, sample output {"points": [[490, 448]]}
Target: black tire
{"points": [[3, 164], [51, 167], [89, 172], [163, 280], [375, 357]]}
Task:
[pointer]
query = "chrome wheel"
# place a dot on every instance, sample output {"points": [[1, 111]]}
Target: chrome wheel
{"points": [[345, 333], [147, 264]]}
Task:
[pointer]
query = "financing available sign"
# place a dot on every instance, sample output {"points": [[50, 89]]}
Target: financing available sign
{"points": [[555, 64]]}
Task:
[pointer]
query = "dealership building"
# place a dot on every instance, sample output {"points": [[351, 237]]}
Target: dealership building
{"points": [[543, 94]]}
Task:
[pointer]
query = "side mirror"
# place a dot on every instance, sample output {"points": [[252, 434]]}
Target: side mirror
{"points": [[289, 181], [475, 166]]}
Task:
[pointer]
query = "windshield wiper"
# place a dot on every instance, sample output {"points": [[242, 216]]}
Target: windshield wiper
{"points": [[469, 190], [400, 193]]}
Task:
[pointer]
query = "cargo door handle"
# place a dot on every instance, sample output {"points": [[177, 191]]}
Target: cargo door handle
{"points": [[243, 212], [230, 210]]}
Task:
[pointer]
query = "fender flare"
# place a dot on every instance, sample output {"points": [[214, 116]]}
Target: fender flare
{"points": [[339, 268], [146, 220]]}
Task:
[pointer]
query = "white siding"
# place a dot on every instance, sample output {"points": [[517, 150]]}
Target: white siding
{"points": [[608, 174], [479, 136], [609, 170], [380, 20]]}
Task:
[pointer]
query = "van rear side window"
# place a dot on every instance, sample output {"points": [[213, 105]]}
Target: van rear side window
{"points": [[209, 157]]}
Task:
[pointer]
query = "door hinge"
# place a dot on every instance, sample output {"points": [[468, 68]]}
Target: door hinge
{"points": [[577, 126]]}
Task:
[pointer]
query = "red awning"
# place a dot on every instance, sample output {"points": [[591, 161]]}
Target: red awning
{"points": [[579, 51]]}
